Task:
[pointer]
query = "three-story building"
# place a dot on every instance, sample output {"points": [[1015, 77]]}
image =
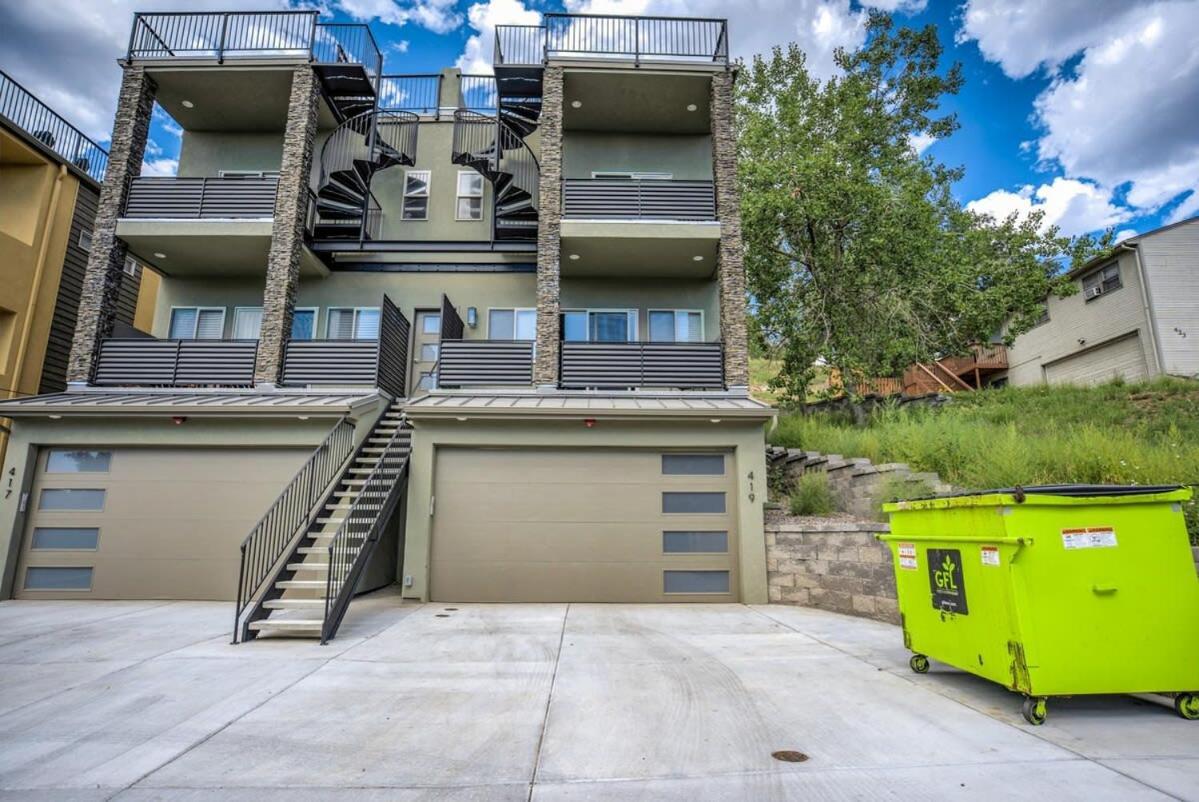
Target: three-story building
{"points": [[487, 332]]}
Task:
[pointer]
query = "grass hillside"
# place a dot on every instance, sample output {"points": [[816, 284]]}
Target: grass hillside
{"points": [[1113, 434]]}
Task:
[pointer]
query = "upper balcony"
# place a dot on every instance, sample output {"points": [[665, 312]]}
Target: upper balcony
{"points": [[607, 38], [191, 56], [26, 112]]}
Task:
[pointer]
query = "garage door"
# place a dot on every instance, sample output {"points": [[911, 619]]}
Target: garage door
{"points": [[588, 526], [145, 523], [1124, 358]]}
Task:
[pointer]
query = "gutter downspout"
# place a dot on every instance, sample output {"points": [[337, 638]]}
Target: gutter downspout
{"points": [[1150, 318]]}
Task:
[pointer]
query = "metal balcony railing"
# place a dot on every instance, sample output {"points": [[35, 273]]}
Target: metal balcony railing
{"points": [[381, 362], [630, 199], [416, 93], [194, 198], [606, 36], [26, 112], [485, 363], [147, 362], [253, 34], [613, 366]]}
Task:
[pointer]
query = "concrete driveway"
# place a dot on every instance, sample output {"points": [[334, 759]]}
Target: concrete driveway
{"points": [[144, 701]]}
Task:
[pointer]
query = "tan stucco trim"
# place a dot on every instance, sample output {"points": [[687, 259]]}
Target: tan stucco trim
{"points": [[640, 229]]}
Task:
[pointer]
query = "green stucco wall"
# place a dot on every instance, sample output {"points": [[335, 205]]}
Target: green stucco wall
{"points": [[686, 157], [206, 154]]}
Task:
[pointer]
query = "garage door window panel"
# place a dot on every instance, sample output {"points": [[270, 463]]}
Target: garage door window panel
{"points": [[695, 542], [71, 460], [693, 464], [693, 503], [53, 578], [695, 582], [65, 538], [71, 499]]}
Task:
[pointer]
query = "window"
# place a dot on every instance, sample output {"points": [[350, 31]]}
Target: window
{"points": [[693, 503], [70, 499], [1104, 280], [416, 195], [695, 542], [693, 464], [303, 324], [85, 239], [428, 352], [130, 267], [428, 381], [70, 460], [695, 581], [62, 538], [197, 323], [38, 578], [600, 325], [431, 324], [470, 196], [358, 323], [1044, 316], [512, 324], [676, 326], [632, 174], [247, 322]]}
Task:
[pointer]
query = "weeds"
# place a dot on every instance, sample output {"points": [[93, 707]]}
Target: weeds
{"points": [[812, 495]]}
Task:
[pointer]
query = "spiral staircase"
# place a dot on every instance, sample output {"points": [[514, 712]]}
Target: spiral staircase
{"points": [[357, 149], [494, 146]]}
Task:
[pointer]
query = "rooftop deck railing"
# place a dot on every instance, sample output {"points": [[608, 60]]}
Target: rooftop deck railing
{"points": [[22, 109], [253, 34], [608, 36], [416, 93]]}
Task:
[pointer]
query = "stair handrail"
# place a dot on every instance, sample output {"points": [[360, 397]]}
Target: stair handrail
{"points": [[293, 510], [381, 487], [504, 138]]}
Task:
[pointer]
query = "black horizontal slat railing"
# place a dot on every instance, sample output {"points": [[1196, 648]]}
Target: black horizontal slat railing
{"points": [[646, 199], [381, 362], [611, 36], [22, 109], [196, 198], [478, 363], [146, 362], [689, 366]]}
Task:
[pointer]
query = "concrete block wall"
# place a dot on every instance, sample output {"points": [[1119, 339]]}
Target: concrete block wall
{"points": [[832, 565]]}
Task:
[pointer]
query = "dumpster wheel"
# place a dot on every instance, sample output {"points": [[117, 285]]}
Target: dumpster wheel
{"points": [[1035, 710], [919, 664], [1187, 705]]}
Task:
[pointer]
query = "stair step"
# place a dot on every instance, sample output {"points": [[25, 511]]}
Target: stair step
{"points": [[298, 584], [287, 625], [292, 604], [309, 566], [313, 549]]}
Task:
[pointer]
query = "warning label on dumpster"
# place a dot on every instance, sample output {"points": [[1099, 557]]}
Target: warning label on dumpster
{"points": [[907, 556], [946, 581], [990, 555], [1095, 537]]}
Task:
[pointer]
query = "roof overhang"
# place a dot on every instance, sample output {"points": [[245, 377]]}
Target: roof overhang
{"points": [[632, 406], [143, 403]]}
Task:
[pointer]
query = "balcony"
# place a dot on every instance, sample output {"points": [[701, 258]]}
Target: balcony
{"points": [[615, 366], [605, 199], [956, 373], [197, 198], [147, 362], [382, 362], [485, 363], [610, 37]]}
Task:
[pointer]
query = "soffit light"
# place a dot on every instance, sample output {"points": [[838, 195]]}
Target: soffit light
{"points": [[692, 107], [697, 258], [187, 104], [576, 104], [159, 255], [574, 257]]}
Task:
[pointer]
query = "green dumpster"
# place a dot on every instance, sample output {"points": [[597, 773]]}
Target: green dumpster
{"points": [[1053, 591]]}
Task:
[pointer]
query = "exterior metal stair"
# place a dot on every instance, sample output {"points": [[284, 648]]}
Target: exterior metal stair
{"points": [[312, 587], [495, 148], [357, 149]]}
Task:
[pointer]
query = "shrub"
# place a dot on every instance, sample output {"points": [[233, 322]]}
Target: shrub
{"points": [[812, 495]]}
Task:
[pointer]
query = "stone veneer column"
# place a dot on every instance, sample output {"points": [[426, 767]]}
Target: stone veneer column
{"points": [[106, 260], [730, 269], [287, 233], [549, 231]]}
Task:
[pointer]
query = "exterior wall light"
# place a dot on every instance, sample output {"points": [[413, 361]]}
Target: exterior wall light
{"points": [[589, 423], [472, 316], [179, 420]]}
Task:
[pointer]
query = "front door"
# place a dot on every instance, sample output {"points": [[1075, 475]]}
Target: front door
{"points": [[425, 346]]}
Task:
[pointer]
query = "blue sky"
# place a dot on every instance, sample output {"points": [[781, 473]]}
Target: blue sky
{"points": [[1082, 108]]}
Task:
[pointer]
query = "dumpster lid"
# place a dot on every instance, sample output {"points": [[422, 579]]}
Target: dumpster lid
{"points": [[1074, 491]]}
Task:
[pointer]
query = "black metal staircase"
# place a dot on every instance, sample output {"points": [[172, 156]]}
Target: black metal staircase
{"points": [[496, 149], [357, 149], [311, 586]]}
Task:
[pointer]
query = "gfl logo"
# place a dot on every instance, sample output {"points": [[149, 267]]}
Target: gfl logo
{"points": [[944, 577]]}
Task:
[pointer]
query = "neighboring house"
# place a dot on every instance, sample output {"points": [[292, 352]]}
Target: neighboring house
{"points": [[1135, 317], [49, 187], [507, 312]]}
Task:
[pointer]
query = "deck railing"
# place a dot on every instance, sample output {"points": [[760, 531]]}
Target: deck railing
{"points": [[605, 36], [638, 199], [380, 362], [591, 365], [416, 93], [147, 362], [190, 198], [485, 363], [22, 109]]}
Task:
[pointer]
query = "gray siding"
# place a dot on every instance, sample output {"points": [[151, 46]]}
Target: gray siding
{"points": [[1170, 260]]}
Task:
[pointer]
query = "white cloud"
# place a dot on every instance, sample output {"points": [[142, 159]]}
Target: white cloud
{"points": [[921, 142], [400, 46], [1076, 207], [438, 16], [160, 167], [1124, 115], [1125, 233], [483, 18], [898, 6]]}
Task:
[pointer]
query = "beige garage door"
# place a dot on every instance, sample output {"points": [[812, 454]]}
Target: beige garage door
{"points": [[145, 523], [588, 526], [1124, 358]]}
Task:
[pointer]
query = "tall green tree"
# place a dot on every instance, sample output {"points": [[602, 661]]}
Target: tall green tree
{"points": [[857, 252]]}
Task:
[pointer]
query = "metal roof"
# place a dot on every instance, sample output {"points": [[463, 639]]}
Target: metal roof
{"points": [[599, 405], [225, 403]]}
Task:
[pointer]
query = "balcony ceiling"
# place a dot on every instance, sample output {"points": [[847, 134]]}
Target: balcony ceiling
{"points": [[659, 251], [228, 98], [202, 248], [637, 101]]}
